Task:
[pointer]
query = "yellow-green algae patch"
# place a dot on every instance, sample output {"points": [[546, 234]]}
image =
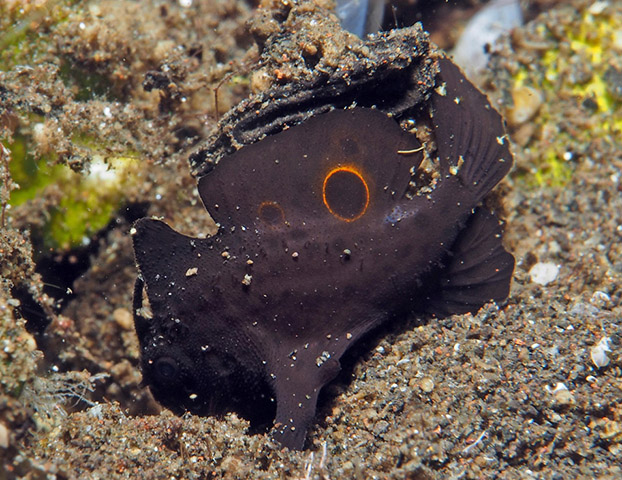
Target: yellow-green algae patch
{"points": [[598, 42], [88, 199], [570, 57], [90, 202]]}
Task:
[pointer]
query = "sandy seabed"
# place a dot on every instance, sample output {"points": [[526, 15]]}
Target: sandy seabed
{"points": [[518, 391]]}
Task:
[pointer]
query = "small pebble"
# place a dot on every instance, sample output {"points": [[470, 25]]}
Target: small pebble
{"points": [[599, 352], [426, 384], [4, 436], [381, 427], [123, 317], [612, 430], [563, 397], [544, 273], [600, 300], [527, 102]]}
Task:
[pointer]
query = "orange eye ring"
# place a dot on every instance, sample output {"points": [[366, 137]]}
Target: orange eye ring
{"points": [[360, 205]]}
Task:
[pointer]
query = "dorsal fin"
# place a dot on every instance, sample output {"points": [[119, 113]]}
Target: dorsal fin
{"points": [[469, 132]]}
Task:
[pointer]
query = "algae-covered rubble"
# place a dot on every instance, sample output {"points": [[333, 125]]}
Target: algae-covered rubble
{"points": [[517, 391]]}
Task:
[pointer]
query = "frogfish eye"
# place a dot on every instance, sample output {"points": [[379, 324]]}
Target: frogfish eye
{"points": [[345, 193], [166, 368]]}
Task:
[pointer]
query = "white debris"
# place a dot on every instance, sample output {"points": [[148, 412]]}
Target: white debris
{"points": [[100, 171], [486, 26], [544, 273], [561, 395], [598, 8], [600, 299], [560, 387], [96, 411], [599, 352], [360, 16], [319, 361], [4, 436]]}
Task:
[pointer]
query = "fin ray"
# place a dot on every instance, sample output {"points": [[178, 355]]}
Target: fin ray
{"points": [[479, 271]]}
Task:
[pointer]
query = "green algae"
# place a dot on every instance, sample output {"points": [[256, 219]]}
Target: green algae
{"points": [[574, 67], [76, 204], [553, 171], [30, 173], [88, 200]]}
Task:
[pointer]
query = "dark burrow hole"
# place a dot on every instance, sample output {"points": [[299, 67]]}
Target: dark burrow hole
{"points": [[59, 270], [312, 58]]}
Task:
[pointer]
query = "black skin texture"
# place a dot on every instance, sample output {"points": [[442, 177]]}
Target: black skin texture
{"points": [[318, 244]]}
